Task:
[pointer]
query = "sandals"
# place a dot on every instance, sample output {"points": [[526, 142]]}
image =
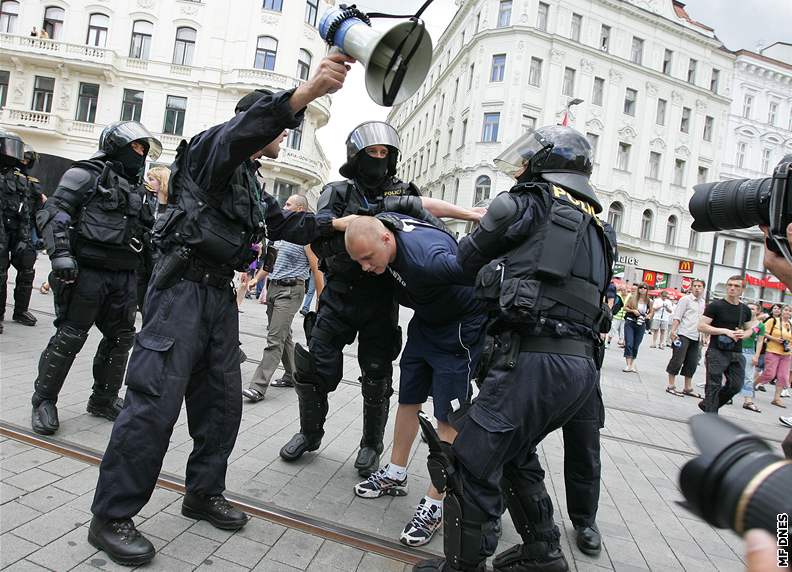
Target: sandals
{"points": [[674, 391], [691, 393], [751, 407], [252, 395], [778, 404]]}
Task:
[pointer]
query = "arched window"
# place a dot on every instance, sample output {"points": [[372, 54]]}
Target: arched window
{"points": [[266, 51], [616, 215], [456, 193], [646, 225], [442, 191], [304, 64], [9, 12], [671, 230], [141, 39], [97, 30], [482, 191], [53, 21], [185, 46]]}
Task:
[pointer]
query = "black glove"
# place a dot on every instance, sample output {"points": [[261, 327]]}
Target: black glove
{"points": [[64, 268]]}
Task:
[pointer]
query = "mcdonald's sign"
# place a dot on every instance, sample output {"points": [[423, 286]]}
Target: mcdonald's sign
{"points": [[686, 267], [649, 277]]}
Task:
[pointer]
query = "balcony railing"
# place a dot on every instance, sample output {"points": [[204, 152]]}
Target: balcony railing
{"points": [[46, 47], [28, 118]]}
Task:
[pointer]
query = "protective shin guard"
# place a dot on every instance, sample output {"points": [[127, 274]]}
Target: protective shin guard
{"points": [[55, 362], [376, 404], [23, 289], [313, 408], [531, 510], [468, 535], [109, 366]]}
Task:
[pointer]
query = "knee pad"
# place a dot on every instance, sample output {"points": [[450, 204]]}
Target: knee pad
{"points": [[376, 391], [304, 362], [531, 509], [68, 341], [25, 277]]}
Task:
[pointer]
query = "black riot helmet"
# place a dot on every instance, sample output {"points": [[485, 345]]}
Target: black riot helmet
{"points": [[556, 154], [30, 157], [119, 134], [368, 134], [12, 149]]}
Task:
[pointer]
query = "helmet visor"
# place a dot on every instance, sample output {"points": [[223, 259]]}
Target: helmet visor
{"points": [[374, 133], [12, 147], [130, 131], [517, 155]]}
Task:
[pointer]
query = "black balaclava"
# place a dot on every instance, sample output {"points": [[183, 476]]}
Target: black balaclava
{"points": [[131, 162], [371, 170]]}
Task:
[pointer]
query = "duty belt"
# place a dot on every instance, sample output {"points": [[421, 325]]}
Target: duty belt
{"points": [[214, 279], [563, 346]]}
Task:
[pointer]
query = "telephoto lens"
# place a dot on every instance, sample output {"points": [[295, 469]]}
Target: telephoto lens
{"points": [[740, 203], [737, 482]]}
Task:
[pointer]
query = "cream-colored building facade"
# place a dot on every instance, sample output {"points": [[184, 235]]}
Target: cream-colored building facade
{"points": [[177, 66]]}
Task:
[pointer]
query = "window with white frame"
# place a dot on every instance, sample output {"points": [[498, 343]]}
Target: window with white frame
{"points": [[482, 189], [87, 100], [772, 113], [668, 61], [593, 140], [504, 13], [575, 26], [266, 53], [597, 91], [709, 123], [636, 52], [616, 215], [535, 73], [766, 154], [630, 99], [747, 105], [671, 230], [604, 43], [498, 69], [140, 44], [568, 86], [741, 151], [703, 174], [304, 64], [714, 80], [294, 139], [175, 109], [646, 225], [542, 15], [623, 156], [98, 25], [53, 22], [489, 129], [9, 12], [184, 46], [311, 10], [679, 172], [654, 164], [684, 122], [275, 5], [661, 111], [5, 76], [691, 75], [43, 92]]}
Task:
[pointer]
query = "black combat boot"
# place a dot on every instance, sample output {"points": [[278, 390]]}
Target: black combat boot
{"points": [[25, 318], [534, 557], [441, 565], [44, 418], [109, 409], [376, 403], [588, 539], [215, 509], [121, 541]]}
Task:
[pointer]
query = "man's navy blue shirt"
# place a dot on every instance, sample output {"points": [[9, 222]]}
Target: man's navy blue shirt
{"points": [[429, 279]]}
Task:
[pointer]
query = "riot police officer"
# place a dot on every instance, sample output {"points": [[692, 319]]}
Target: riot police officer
{"points": [[188, 345], [544, 261], [355, 302], [16, 248], [93, 227]]}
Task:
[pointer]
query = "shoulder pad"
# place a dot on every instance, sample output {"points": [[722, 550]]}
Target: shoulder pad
{"points": [[338, 188], [502, 211], [76, 179], [414, 190]]}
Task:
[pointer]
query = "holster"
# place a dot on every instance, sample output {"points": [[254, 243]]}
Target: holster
{"points": [[171, 268]]}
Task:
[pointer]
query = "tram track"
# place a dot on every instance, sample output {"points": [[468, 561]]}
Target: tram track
{"points": [[302, 522]]}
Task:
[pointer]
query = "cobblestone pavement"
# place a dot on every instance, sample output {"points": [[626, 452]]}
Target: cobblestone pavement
{"points": [[646, 441]]}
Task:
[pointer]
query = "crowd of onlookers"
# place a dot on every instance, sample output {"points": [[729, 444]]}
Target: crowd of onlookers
{"points": [[748, 345]]}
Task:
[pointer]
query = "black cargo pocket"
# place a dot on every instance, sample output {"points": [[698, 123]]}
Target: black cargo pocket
{"points": [[147, 364], [519, 294], [221, 241], [488, 438], [107, 227], [488, 281]]}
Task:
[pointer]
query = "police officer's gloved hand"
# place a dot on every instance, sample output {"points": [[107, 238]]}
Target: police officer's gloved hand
{"points": [[64, 268]]}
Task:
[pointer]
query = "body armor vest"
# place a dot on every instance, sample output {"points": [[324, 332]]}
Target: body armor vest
{"points": [[108, 230], [552, 282], [15, 198], [218, 228], [340, 266]]}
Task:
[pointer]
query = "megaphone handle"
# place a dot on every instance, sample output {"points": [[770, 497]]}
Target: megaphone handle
{"points": [[334, 50]]}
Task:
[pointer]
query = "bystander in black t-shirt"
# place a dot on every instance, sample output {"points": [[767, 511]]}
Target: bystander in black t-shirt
{"points": [[729, 316]]}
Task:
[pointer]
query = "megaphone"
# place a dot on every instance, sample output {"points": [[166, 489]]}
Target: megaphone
{"points": [[397, 60]]}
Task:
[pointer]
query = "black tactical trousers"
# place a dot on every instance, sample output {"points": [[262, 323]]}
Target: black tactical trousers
{"points": [[102, 297], [23, 262], [582, 465], [188, 349], [515, 409], [344, 312]]}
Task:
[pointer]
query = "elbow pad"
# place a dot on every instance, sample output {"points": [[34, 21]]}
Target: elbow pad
{"points": [[501, 213], [405, 205]]}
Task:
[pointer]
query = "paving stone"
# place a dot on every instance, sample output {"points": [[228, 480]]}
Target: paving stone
{"points": [[215, 564], [32, 458], [295, 548], [165, 526], [9, 448], [335, 556], [379, 563], [25, 566], [205, 529], [267, 565], [14, 548], [260, 530], [63, 466], [165, 563], [32, 479], [52, 525], [14, 514], [47, 498], [190, 548], [81, 482], [9, 493], [66, 552], [160, 498], [242, 551]]}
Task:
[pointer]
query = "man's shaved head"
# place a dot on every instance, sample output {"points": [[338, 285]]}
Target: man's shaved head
{"points": [[370, 243]]}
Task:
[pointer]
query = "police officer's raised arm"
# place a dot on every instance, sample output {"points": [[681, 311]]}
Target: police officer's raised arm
{"points": [[330, 203]]}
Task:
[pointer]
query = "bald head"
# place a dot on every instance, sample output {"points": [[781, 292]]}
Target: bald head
{"points": [[370, 244], [296, 203]]}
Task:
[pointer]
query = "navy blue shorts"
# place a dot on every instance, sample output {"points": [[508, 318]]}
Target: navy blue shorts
{"points": [[440, 361]]}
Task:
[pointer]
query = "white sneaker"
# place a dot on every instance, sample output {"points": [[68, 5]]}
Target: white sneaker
{"points": [[784, 393], [786, 421], [379, 484], [424, 524]]}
